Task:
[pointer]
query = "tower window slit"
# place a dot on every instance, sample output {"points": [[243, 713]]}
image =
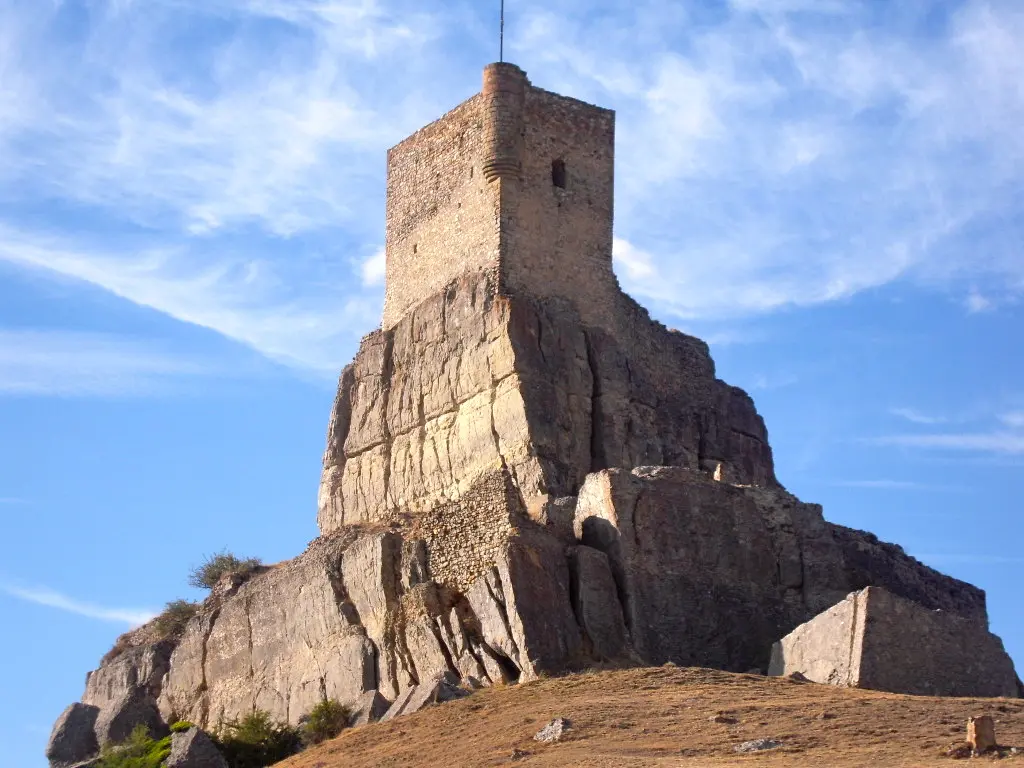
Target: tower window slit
{"points": [[558, 173]]}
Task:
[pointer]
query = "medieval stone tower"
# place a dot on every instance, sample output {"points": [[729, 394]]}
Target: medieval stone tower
{"points": [[515, 182]]}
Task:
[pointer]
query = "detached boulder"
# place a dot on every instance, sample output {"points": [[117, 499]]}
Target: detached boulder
{"points": [[436, 690], [73, 739], [117, 720], [874, 639], [194, 749], [369, 708]]}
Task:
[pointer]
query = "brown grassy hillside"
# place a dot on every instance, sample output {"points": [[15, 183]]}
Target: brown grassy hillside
{"points": [[663, 717]]}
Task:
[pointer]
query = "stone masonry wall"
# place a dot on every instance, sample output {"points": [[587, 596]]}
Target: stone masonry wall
{"points": [[442, 215], [557, 241]]}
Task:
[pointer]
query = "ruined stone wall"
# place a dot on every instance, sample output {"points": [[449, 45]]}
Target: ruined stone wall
{"points": [[442, 214]]}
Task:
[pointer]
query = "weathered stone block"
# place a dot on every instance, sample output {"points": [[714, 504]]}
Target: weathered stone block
{"points": [[369, 708], [119, 718], [596, 603], [194, 749], [73, 739], [874, 639]]}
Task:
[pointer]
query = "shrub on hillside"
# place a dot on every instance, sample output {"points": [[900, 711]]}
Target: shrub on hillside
{"points": [[171, 623], [181, 726], [325, 721], [256, 740], [207, 575], [139, 751]]}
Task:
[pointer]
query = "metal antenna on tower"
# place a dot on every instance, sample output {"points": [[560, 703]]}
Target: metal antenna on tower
{"points": [[501, 39]]}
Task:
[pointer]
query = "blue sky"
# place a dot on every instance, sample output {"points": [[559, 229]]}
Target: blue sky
{"points": [[191, 232]]}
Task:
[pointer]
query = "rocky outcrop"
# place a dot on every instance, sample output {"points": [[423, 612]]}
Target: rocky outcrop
{"points": [[469, 380], [664, 564], [118, 718], [710, 574], [73, 739], [875, 639], [194, 749], [369, 708]]}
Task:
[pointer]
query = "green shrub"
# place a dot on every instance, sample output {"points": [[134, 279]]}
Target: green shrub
{"points": [[139, 751], [171, 623], [325, 721], [181, 726], [256, 740], [207, 575]]}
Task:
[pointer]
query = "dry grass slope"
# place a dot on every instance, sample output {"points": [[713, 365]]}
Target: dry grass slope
{"points": [[666, 717]]}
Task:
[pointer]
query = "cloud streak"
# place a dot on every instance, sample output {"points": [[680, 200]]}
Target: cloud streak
{"points": [[1011, 443], [222, 161], [53, 599], [75, 364], [895, 485]]}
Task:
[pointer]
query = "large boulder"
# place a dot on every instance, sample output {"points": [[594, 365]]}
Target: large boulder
{"points": [[369, 708], [73, 739], [119, 718], [875, 639], [194, 749], [596, 603]]}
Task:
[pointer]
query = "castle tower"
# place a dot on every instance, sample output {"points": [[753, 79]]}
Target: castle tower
{"points": [[515, 182]]}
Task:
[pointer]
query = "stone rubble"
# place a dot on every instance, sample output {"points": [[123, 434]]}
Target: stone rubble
{"points": [[553, 731]]}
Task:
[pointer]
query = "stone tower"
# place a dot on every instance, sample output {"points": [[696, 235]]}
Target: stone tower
{"points": [[515, 183]]}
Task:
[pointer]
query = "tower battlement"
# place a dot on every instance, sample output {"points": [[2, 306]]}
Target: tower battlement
{"points": [[516, 182]]}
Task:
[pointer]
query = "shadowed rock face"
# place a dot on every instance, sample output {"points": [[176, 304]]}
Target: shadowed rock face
{"points": [[875, 639], [711, 574]]}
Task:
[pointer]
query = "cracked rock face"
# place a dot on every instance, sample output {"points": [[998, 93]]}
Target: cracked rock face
{"points": [[469, 381]]}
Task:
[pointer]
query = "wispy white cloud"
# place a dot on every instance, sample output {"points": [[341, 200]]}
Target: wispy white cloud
{"points": [[988, 442], [970, 559], [53, 599], [976, 303], [788, 153], [798, 153], [895, 485], [242, 298], [76, 364], [916, 416], [1013, 419], [374, 269]]}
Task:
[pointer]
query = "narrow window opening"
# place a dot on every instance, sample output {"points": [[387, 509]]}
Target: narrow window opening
{"points": [[558, 173], [414, 247], [471, 171]]}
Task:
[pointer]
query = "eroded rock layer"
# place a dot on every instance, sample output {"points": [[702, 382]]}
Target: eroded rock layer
{"points": [[469, 380]]}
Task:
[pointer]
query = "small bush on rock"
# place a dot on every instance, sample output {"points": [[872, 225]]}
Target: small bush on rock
{"points": [[256, 740], [181, 726], [177, 613], [207, 575], [139, 751], [325, 721]]}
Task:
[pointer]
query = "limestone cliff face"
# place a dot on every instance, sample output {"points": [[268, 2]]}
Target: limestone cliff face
{"points": [[470, 380]]}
